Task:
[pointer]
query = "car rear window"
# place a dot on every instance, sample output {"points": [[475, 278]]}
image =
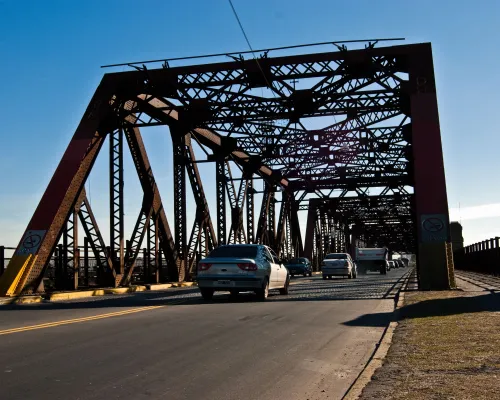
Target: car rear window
{"points": [[336, 256], [297, 261], [234, 252]]}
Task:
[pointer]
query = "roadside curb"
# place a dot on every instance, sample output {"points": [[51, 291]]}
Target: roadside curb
{"points": [[102, 292], [21, 300], [382, 349]]}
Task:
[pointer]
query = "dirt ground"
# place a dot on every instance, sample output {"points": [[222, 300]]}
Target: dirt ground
{"points": [[446, 346]]}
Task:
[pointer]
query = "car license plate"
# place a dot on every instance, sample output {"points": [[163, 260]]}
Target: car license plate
{"points": [[226, 283]]}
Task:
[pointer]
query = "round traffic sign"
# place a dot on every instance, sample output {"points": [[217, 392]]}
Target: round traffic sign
{"points": [[433, 225], [32, 241]]}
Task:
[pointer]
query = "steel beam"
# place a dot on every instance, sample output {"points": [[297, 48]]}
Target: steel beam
{"points": [[152, 195], [221, 201], [116, 183], [250, 211], [93, 234], [179, 147], [431, 199], [39, 241], [141, 227]]}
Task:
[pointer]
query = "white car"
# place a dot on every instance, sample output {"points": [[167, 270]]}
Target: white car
{"points": [[242, 268], [338, 264]]}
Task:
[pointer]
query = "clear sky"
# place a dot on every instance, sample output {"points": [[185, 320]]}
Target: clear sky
{"points": [[50, 53]]}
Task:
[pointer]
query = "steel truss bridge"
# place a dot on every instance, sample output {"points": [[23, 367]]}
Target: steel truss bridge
{"points": [[350, 136]]}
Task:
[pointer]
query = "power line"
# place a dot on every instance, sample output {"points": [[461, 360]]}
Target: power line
{"points": [[241, 26], [269, 84]]}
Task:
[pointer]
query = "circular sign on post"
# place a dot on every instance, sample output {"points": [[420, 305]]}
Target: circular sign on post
{"points": [[433, 225]]}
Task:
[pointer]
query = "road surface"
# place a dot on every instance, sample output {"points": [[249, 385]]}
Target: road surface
{"points": [[172, 345]]}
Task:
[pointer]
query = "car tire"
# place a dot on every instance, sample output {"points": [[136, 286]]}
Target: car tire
{"points": [[324, 277], [284, 290], [207, 294], [310, 274], [383, 271], [293, 275], [234, 293], [264, 292], [350, 275], [304, 274]]}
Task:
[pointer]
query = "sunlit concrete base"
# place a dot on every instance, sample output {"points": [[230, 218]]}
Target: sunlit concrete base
{"points": [[433, 266]]}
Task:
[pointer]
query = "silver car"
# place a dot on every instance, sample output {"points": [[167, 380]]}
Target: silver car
{"points": [[338, 264], [242, 268]]}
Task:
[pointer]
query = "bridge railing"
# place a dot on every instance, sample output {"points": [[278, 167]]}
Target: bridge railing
{"points": [[479, 257], [88, 271], [5, 253]]}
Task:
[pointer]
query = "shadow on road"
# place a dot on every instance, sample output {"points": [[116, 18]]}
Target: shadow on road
{"points": [[365, 288], [433, 308]]}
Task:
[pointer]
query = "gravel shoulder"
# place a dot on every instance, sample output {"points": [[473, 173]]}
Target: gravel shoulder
{"points": [[446, 346]]}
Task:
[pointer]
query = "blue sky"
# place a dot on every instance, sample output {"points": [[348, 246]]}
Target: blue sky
{"points": [[51, 52]]}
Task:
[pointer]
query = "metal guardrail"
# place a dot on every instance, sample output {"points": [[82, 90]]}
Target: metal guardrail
{"points": [[87, 270], [479, 257], [4, 260]]}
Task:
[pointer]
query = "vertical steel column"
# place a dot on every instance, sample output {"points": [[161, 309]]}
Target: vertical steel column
{"points": [[314, 252], [86, 260], [272, 216], [311, 223], [221, 201], [289, 252], [145, 263], [76, 250], [67, 248], [116, 200], [262, 228], [59, 273], [296, 235], [431, 201], [2, 259], [152, 248], [250, 210], [179, 146], [160, 274]]}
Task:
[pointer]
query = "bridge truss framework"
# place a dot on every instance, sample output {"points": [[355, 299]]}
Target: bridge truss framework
{"points": [[372, 172]]}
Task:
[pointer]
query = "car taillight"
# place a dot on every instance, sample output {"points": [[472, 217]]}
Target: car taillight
{"points": [[247, 266], [203, 266]]}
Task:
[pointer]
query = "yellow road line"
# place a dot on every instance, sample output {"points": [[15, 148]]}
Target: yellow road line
{"points": [[77, 320]]}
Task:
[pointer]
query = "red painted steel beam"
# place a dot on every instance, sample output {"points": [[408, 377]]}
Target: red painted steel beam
{"points": [[430, 184], [45, 227], [152, 193]]}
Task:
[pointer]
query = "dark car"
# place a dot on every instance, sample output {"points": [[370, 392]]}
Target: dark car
{"points": [[299, 266], [400, 263]]}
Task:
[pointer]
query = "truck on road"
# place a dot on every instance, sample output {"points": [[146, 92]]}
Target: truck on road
{"points": [[372, 259]]}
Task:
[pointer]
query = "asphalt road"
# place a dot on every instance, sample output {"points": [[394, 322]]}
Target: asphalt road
{"points": [[171, 345]]}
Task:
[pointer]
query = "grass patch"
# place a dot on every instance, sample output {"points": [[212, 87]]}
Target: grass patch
{"points": [[446, 346]]}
